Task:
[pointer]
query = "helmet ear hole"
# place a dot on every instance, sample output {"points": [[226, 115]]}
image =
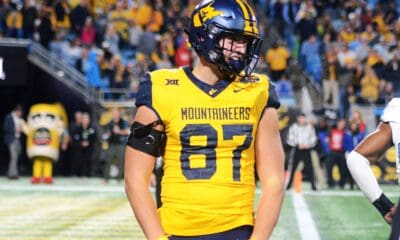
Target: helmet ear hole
{"points": [[213, 55]]}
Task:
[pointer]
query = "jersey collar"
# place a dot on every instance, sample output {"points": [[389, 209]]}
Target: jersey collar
{"points": [[210, 90]]}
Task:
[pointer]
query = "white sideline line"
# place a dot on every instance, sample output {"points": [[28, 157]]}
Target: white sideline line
{"points": [[120, 189], [344, 194], [307, 228], [330, 193], [60, 188]]}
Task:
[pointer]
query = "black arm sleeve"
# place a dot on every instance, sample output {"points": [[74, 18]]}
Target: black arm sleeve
{"points": [[147, 139]]}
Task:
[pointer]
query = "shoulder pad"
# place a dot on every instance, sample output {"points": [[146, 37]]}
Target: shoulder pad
{"points": [[162, 74], [392, 111]]}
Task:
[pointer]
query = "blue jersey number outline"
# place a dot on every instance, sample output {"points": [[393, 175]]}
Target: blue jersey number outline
{"points": [[229, 131]]}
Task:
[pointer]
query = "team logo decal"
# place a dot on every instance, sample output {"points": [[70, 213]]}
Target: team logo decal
{"points": [[206, 13]]}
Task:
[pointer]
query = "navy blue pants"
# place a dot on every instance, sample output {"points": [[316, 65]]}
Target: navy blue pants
{"points": [[239, 233]]}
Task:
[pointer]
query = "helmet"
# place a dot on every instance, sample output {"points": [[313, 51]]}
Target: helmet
{"points": [[213, 20]]}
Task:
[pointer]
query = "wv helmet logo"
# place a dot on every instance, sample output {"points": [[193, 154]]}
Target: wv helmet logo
{"points": [[205, 14]]}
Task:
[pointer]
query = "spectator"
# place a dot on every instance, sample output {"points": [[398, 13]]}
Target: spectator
{"points": [[162, 58], [111, 39], [147, 42], [157, 19], [352, 138], [45, 28], [13, 128], [306, 20], [346, 57], [302, 138], [392, 70], [362, 50], [290, 9], [119, 17], [277, 58], [117, 131], [284, 87], [87, 138], [387, 94], [29, 15], [369, 86], [347, 35], [75, 142], [310, 57], [135, 32], [71, 52], [5, 9], [331, 70], [62, 12], [183, 55], [357, 117], [78, 16], [120, 76], [349, 97], [88, 35], [92, 70], [322, 130], [80, 62], [144, 13], [14, 22], [278, 17], [336, 153]]}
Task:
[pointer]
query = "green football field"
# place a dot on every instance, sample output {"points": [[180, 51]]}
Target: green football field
{"points": [[88, 209]]}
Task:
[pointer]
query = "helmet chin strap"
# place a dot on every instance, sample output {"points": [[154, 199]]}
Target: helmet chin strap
{"points": [[237, 65]]}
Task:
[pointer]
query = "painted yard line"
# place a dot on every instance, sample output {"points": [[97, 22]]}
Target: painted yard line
{"points": [[307, 228]]}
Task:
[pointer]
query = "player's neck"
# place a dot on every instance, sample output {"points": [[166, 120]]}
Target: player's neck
{"points": [[207, 73]]}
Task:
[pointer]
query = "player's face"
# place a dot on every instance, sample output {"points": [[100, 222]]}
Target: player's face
{"points": [[234, 47]]}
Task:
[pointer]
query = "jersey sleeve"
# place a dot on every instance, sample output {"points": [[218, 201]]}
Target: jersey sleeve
{"points": [[395, 132], [392, 111], [273, 100], [144, 94]]}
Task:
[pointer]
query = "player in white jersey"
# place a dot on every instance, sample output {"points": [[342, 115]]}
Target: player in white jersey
{"points": [[370, 150]]}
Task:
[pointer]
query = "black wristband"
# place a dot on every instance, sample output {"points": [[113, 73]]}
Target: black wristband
{"points": [[383, 204]]}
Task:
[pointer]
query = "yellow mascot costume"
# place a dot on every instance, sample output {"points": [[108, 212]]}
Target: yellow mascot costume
{"points": [[46, 124]]}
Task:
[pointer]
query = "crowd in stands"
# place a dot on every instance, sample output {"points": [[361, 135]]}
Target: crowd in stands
{"points": [[348, 47], [351, 48], [112, 42]]}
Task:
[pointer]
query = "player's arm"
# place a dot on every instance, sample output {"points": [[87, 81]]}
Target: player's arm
{"points": [[359, 162], [138, 169], [270, 169]]}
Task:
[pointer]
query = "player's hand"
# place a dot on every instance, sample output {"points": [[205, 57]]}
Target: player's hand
{"points": [[389, 216]]}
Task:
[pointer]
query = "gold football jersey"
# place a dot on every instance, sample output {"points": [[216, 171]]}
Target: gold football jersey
{"points": [[209, 175]]}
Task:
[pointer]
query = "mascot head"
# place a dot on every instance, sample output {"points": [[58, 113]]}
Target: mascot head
{"points": [[46, 124]]}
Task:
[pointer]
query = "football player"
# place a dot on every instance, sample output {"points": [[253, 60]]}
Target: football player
{"points": [[370, 151], [213, 125]]}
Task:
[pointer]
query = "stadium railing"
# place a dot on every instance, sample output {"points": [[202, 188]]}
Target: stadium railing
{"points": [[116, 97], [61, 71]]}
